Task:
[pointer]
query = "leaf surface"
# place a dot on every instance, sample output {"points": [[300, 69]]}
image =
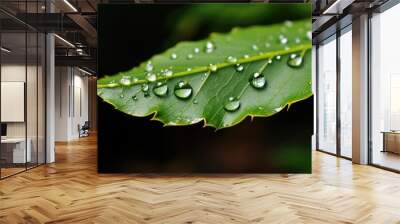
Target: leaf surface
{"points": [[220, 71]]}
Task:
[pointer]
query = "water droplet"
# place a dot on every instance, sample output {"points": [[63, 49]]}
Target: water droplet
{"points": [[270, 61], [258, 81], [168, 73], [126, 81], [210, 47], [231, 59], [189, 69], [297, 40], [288, 23], [295, 61], [278, 109], [213, 67], [283, 39], [135, 79], [195, 101], [151, 77], [149, 66], [189, 56], [122, 96], [309, 35], [145, 89], [239, 67], [246, 56], [160, 89], [287, 48], [196, 50], [134, 97], [232, 105], [267, 45], [260, 108], [174, 56], [254, 47], [183, 90], [278, 57]]}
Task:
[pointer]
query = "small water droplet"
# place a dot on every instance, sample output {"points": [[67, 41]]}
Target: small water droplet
{"points": [[151, 77], [160, 89], [213, 67], [254, 47], [195, 101], [239, 67], [246, 56], [295, 61], [231, 59], [122, 96], [168, 73], [210, 47], [278, 57], [135, 79], [269, 60], [189, 56], [196, 50], [260, 108], [278, 109], [183, 90], [267, 45], [149, 67], [134, 97], [125, 80], [232, 105], [309, 35], [145, 89], [258, 81], [283, 39], [297, 40], [288, 23], [174, 56], [189, 69]]}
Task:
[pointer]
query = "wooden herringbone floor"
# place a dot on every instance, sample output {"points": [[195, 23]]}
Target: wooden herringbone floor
{"points": [[70, 191]]}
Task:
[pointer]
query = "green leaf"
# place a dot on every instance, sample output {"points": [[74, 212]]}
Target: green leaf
{"points": [[222, 92]]}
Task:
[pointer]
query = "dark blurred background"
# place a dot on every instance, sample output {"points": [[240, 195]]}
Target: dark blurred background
{"points": [[130, 34]]}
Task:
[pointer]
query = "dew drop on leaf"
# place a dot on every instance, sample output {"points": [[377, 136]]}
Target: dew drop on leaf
{"points": [[189, 69], [278, 57], [295, 61], [125, 80], [258, 81], [151, 77], [183, 90], [231, 59], [254, 47], [189, 56], [160, 89], [210, 47], [267, 45], [145, 89], [246, 56], [174, 56], [195, 101], [297, 40], [196, 50], [168, 73], [149, 66], [122, 95], [232, 105], [278, 109], [283, 39], [213, 67], [239, 67], [134, 97]]}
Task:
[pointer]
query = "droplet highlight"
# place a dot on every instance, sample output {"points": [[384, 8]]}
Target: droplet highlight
{"points": [[239, 68], [232, 105], [210, 47], [231, 59], [183, 90], [174, 56], [295, 61], [258, 81]]}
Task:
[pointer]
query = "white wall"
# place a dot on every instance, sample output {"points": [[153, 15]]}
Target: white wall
{"points": [[71, 102]]}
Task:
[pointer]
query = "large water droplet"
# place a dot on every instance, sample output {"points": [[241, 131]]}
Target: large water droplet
{"points": [[231, 59], [278, 57], [210, 47], [232, 105], [258, 81], [151, 77], [149, 66], [239, 67], [126, 81], [160, 89], [189, 56], [295, 61], [213, 67], [183, 90], [174, 56]]}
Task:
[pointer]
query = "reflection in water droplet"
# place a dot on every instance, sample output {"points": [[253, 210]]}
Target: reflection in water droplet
{"points": [[210, 47], [231, 59], [126, 81], [183, 90], [213, 67], [149, 66], [295, 61], [196, 50], [239, 67], [151, 77], [160, 89], [232, 105], [258, 81], [189, 56], [174, 56], [254, 47]]}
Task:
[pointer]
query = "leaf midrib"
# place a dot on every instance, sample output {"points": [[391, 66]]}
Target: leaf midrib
{"points": [[266, 55]]}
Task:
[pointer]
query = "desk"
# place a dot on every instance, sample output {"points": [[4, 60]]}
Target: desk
{"points": [[16, 147], [391, 141]]}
